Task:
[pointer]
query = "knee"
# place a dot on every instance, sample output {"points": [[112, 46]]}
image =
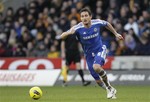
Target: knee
{"points": [[97, 68]]}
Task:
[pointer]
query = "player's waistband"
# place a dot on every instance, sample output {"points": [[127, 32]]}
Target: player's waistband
{"points": [[94, 52]]}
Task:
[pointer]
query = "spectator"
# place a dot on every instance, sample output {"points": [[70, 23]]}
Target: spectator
{"points": [[142, 27], [132, 24], [74, 14], [43, 20], [123, 14], [53, 52], [113, 48], [2, 49], [30, 22], [1, 22], [106, 39], [30, 50], [20, 51], [143, 43], [9, 15], [41, 50], [130, 42]]}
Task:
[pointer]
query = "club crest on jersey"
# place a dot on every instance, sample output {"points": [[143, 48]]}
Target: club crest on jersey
{"points": [[95, 29]]}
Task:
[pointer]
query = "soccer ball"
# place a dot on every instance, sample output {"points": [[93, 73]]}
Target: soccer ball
{"points": [[35, 93]]}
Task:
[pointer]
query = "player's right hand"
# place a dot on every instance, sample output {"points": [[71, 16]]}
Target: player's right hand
{"points": [[119, 36]]}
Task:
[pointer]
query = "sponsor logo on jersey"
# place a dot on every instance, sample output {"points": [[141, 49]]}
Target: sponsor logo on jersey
{"points": [[90, 36]]}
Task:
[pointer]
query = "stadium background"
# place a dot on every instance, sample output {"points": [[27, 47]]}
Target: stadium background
{"points": [[30, 48]]}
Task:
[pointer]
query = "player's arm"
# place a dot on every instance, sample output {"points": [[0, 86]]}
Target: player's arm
{"points": [[69, 32], [111, 28]]}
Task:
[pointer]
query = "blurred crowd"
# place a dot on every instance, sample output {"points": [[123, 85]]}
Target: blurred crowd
{"points": [[33, 29]]}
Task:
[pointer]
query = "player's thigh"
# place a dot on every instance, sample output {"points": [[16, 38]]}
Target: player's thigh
{"points": [[69, 59], [90, 62], [100, 57], [77, 57]]}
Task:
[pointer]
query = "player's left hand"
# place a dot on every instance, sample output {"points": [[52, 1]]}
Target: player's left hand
{"points": [[119, 36]]}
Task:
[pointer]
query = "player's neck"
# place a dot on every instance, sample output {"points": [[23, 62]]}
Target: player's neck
{"points": [[88, 25]]}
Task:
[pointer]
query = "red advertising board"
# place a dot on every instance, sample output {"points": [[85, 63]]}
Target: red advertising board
{"points": [[41, 63], [29, 63]]}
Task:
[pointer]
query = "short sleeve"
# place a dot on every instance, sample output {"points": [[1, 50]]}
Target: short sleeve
{"points": [[101, 22], [104, 23]]}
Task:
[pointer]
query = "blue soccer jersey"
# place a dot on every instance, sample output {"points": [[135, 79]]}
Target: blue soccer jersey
{"points": [[90, 39]]}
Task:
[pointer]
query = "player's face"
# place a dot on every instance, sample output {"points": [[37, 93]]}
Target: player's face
{"points": [[85, 18]]}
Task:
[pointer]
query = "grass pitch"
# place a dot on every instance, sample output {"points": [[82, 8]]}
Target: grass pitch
{"points": [[76, 94]]}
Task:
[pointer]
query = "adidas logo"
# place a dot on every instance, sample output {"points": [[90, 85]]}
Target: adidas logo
{"points": [[84, 32]]}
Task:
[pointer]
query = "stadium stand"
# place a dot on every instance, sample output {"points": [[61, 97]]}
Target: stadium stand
{"points": [[31, 30]]}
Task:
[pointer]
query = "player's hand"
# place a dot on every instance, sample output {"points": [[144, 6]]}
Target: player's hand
{"points": [[119, 36]]}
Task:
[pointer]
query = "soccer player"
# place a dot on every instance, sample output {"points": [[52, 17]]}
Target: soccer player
{"points": [[71, 54], [88, 34]]}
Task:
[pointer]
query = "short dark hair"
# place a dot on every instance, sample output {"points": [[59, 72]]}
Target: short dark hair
{"points": [[86, 10]]}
